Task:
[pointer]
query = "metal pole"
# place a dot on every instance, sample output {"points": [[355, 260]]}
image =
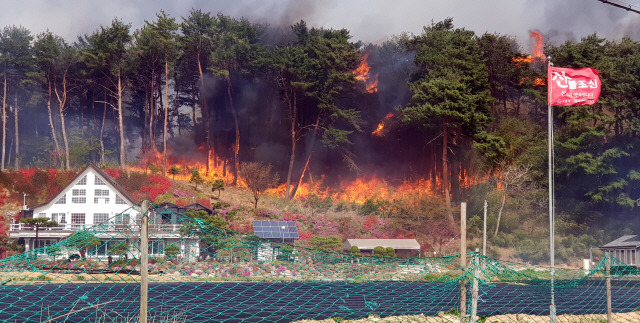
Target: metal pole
{"points": [[484, 230], [144, 262], [463, 260], [474, 288], [552, 306], [608, 281]]}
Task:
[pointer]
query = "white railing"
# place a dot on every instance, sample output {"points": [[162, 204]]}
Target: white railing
{"points": [[111, 227]]}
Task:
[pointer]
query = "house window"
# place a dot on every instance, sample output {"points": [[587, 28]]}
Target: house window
{"points": [[83, 181], [100, 218], [120, 200], [156, 247], [58, 217], [45, 243], [62, 199], [123, 218], [77, 218], [100, 250], [98, 181], [101, 196], [62, 218], [78, 196], [42, 215]]}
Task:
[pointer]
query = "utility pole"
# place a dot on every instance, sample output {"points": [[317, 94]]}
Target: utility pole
{"points": [[463, 260], [484, 231]]}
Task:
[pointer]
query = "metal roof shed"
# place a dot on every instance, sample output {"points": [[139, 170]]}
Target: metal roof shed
{"points": [[369, 244]]}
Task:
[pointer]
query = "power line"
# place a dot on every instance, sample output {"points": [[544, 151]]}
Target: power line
{"points": [[616, 3]]}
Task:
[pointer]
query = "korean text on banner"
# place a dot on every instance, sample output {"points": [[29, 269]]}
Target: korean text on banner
{"points": [[569, 86]]}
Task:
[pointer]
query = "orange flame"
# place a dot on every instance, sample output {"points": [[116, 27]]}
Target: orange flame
{"points": [[539, 82], [152, 161], [538, 46], [362, 73], [378, 131], [520, 60]]}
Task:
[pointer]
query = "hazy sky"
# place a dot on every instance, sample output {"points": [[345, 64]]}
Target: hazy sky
{"points": [[368, 20]]}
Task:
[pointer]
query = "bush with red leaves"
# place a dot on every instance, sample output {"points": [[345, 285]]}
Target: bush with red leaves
{"points": [[113, 172]]}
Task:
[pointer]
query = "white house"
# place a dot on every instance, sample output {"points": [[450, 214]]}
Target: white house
{"points": [[94, 199]]}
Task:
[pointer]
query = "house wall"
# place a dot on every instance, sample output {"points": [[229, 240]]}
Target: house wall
{"points": [[627, 255], [89, 195]]}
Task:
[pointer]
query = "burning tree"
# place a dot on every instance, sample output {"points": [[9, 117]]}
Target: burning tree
{"points": [[311, 74], [258, 178], [450, 89]]}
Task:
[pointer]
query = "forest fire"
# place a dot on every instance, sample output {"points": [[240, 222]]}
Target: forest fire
{"points": [[354, 191], [522, 59], [378, 131], [363, 73], [538, 46], [152, 163]]}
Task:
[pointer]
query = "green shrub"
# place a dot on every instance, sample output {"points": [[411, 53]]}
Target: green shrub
{"points": [[317, 203], [326, 243], [171, 250], [379, 251], [43, 278], [219, 205], [165, 197], [354, 250], [217, 185], [390, 252]]}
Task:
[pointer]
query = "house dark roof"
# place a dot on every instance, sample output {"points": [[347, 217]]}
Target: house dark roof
{"points": [[276, 229], [197, 206], [624, 242], [124, 194]]}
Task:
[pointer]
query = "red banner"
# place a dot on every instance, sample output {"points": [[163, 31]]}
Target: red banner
{"points": [[568, 86]]}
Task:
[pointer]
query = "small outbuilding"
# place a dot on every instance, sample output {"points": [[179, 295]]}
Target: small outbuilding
{"points": [[624, 248], [403, 247], [279, 233]]}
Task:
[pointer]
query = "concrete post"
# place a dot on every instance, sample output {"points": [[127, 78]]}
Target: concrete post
{"points": [[144, 262]]}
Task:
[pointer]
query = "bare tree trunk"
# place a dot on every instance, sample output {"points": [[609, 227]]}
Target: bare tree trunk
{"points": [[122, 149], [17, 132], [152, 112], [166, 109], [236, 150], [62, 100], [293, 116], [445, 169], [504, 198], [4, 118], [204, 109], [306, 166], [104, 118], [64, 136], [53, 129]]}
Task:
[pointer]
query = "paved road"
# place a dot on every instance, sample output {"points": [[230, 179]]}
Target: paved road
{"points": [[286, 302]]}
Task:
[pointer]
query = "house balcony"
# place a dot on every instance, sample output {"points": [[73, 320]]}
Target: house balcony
{"points": [[22, 230]]}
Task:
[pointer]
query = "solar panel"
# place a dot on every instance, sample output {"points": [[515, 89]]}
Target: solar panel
{"points": [[276, 229]]}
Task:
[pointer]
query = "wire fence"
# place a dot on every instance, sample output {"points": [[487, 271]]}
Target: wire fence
{"points": [[199, 272]]}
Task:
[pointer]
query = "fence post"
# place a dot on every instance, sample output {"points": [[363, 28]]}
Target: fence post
{"points": [[144, 261], [608, 280], [463, 260], [475, 288]]}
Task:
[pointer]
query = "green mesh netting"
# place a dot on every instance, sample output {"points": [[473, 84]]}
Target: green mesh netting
{"points": [[202, 273]]}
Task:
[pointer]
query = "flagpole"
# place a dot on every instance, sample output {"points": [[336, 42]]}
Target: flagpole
{"points": [[552, 306]]}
